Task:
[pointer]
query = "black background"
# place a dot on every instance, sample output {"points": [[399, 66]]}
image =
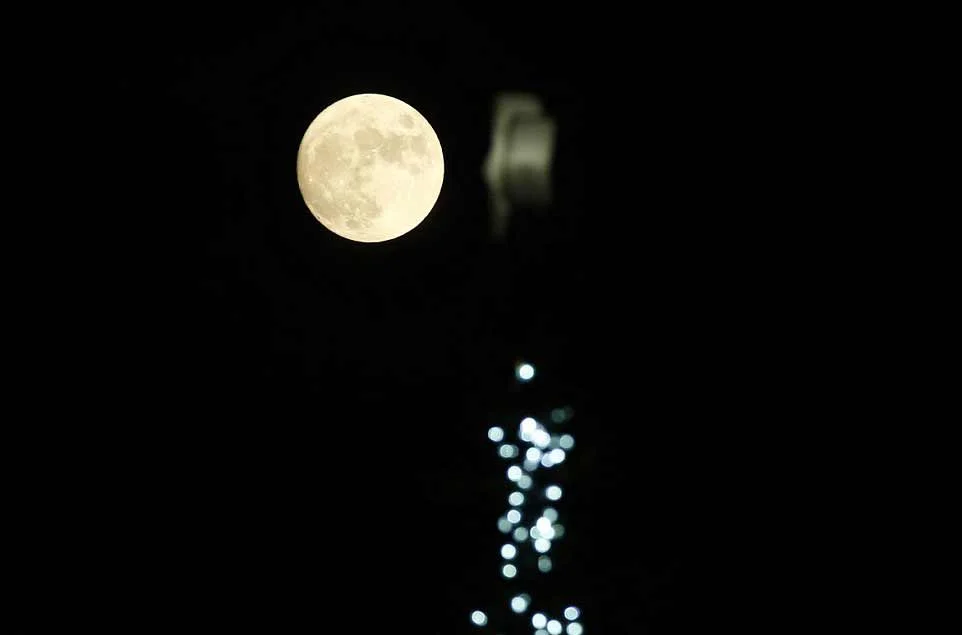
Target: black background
{"points": [[272, 428]]}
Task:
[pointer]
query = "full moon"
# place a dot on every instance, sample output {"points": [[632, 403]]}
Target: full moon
{"points": [[370, 168]]}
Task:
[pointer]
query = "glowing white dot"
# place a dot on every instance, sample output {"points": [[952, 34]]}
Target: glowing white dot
{"points": [[514, 517], [508, 552], [516, 498], [495, 433], [566, 441], [559, 530], [545, 530], [525, 482], [541, 438], [543, 524], [575, 629], [538, 620], [557, 455], [533, 454], [531, 466], [525, 372], [520, 534], [544, 564], [519, 604], [553, 492], [479, 618], [546, 460], [554, 627], [535, 534], [514, 473], [541, 545], [507, 451], [572, 613], [550, 513], [529, 425], [509, 570], [504, 525]]}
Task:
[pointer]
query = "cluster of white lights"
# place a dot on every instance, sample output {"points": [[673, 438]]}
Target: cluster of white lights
{"points": [[545, 450]]}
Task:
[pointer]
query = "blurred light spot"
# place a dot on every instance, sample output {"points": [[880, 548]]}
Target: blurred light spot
{"points": [[554, 627], [495, 433], [538, 620], [558, 415], [572, 613], [533, 454], [508, 451], [525, 372], [555, 441], [525, 482], [520, 534], [566, 441], [545, 530], [553, 492], [531, 466], [528, 426], [559, 530], [509, 570], [541, 545], [519, 604], [504, 525], [514, 473], [516, 498], [479, 618], [550, 513], [543, 524], [557, 455], [541, 438], [575, 629], [546, 460], [514, 517], [535, 534], [544, 564], [508, 552]]}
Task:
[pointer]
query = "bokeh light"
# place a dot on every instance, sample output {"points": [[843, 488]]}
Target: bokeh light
{"points": [[515, 499], [553, 492], [525, 372], [538, 620], [508, 551], [479, 618], [572, 613], [514, 516], [509, 571], [544, 564], [495, 433], [519, 603], [575, 629], [554, 627]]}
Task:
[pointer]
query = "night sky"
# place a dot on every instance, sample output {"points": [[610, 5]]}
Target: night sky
{"points": [[287, 430]]}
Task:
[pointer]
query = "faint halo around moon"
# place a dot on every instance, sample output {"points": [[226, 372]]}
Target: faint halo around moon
{"points": [[370, 167]]}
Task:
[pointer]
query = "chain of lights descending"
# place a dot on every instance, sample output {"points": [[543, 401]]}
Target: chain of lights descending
{"points": [[544, 450]]}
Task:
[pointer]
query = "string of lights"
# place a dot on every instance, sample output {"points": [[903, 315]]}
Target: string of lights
{"points": [[531, 520]]}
